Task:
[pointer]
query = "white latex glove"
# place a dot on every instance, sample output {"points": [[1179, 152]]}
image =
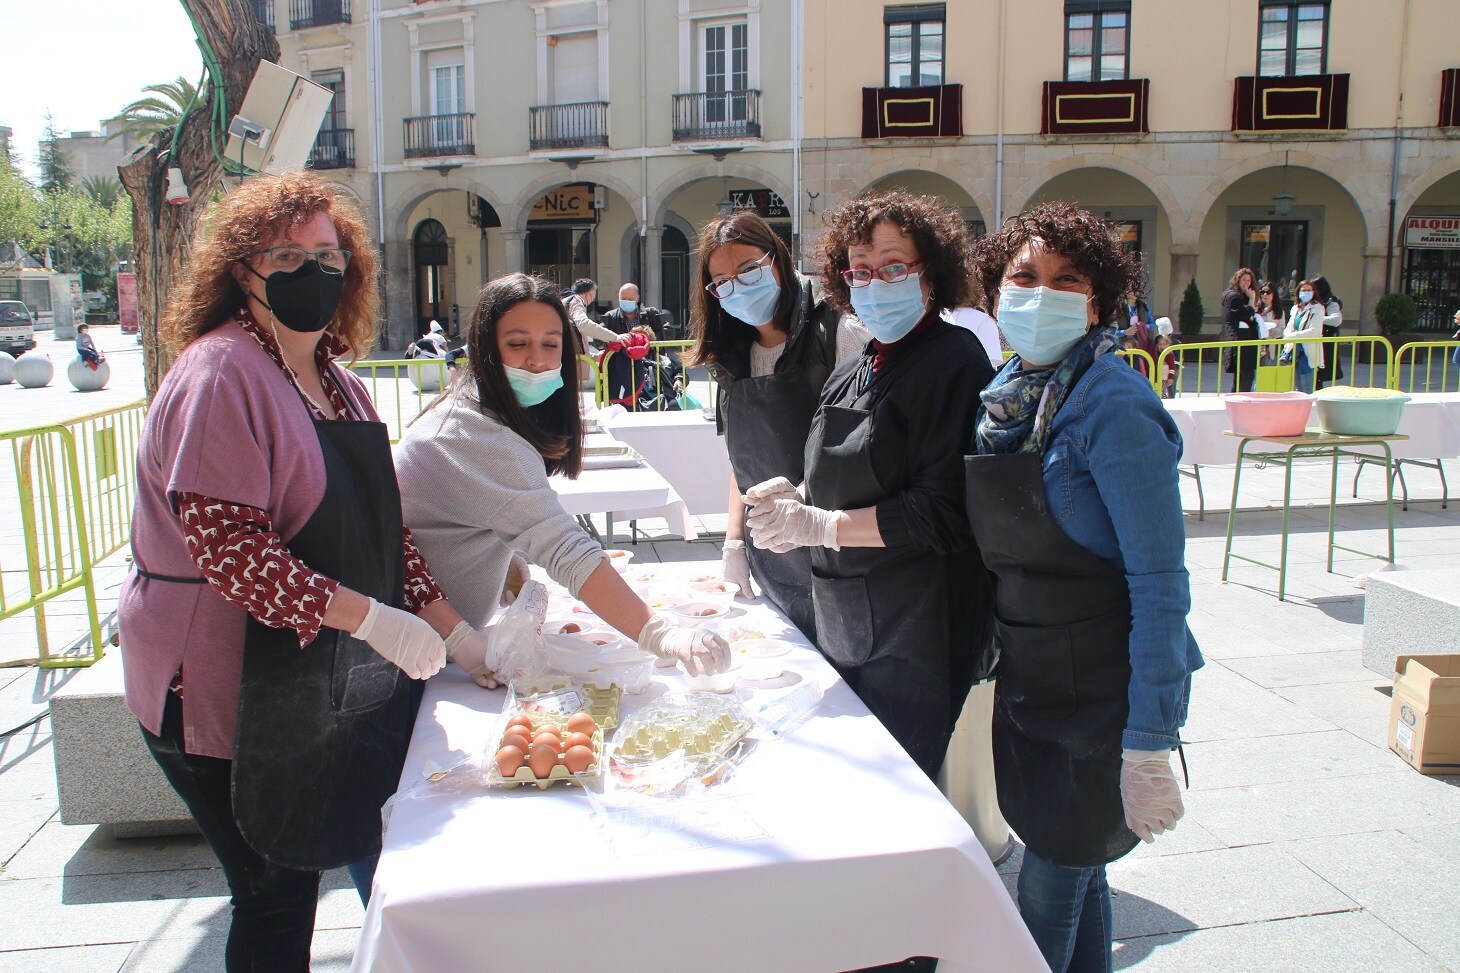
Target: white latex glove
{"points": [[518, 574], [1149, 792], [472, 650], [772, 489], [404, 639], [785, 524], [700, 652], [735, 567]]}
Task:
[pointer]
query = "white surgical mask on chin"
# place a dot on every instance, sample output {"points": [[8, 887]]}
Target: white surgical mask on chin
{"points": [[1042, 324]]}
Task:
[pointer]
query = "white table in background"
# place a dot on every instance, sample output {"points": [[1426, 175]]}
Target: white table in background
{"points": [[684, 447], [859, 860], [635, 492]]}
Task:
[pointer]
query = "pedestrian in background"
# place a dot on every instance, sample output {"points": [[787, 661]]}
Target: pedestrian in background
{"points": [[1239, 323], [1305, 321], [1332, 368]]}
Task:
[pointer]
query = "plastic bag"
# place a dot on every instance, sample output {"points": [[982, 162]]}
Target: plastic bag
{"points": [[688, 402], [520, 633]]}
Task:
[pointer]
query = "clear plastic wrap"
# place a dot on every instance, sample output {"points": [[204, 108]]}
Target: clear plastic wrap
{"points": [[680, 740]]}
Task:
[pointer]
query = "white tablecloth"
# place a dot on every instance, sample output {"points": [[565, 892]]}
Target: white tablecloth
{"points": [[684, 447], [630, 493], [857, 860], [1430, 420]]}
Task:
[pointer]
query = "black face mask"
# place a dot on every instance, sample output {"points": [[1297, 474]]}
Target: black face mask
{"points": [[302, 300]]}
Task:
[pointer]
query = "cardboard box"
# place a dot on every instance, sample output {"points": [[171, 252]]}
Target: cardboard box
{"points": [[1424, 716]]}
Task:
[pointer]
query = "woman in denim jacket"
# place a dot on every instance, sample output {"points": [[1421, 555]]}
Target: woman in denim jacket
{"points": [[1073, 499]]}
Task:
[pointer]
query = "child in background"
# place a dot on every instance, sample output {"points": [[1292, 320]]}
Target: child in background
{"points": [[1168, 366]]}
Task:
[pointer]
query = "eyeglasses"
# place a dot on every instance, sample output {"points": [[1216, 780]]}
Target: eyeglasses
{"points": [[889, 273], [722, 287], [289, 258]]}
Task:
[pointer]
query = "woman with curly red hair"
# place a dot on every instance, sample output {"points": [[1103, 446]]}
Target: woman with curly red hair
{"points": [[278, 614], [900, 592], [1073, 500]]}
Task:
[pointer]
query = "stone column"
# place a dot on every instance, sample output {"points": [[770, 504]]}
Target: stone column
{"points": [[1358, 311], [1183, 270], [400, 295], [652, 287], [514, 246]]}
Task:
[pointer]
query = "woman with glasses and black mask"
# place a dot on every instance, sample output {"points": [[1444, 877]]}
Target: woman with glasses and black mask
{"points": [[769, 342], [901, 594], [278, 615]]}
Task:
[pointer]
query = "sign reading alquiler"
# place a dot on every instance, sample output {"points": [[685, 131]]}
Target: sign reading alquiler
{"points": [[1432, 232]]}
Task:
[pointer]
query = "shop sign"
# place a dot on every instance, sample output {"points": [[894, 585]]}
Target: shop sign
{"points": [[1432, 232], [565, 204], [763, 201]]}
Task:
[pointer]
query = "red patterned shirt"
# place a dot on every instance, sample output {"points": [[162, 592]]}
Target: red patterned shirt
{"points": [[233, 544]]}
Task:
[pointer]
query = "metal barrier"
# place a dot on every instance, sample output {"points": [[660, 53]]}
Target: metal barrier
{"points": [[657, 351], [1141, 361], [1407, 375], [1192, 377], [402, 388]]}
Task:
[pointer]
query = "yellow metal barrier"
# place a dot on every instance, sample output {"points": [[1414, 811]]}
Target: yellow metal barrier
{"points": [[1198, 376], [1141, 360], [401, 388], [1421, 378], [656, 350], [600, 384]]}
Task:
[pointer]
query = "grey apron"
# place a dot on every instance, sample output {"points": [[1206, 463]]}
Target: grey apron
{"points": [[766, 438], [323, 731], [1062, 624]]}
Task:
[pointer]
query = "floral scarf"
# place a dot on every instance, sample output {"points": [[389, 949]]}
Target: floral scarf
{"points": [[1019, 404]]}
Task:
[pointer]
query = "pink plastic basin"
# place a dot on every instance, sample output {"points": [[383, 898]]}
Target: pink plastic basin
{"points": [[1268, 413]]}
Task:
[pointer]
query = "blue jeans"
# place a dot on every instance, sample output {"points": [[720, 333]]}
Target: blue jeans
{"points": [[1067, 911], [1302, 371]]}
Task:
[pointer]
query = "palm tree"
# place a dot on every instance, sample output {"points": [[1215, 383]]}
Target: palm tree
{"points": [[157, 112], [103, 190]]}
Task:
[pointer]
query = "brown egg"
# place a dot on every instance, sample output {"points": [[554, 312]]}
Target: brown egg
{"points": [[576, 739], [552, 737], [578, 759], [518, 740], [521, 721], [572, 627], [544, 758], [582, 723], [509, 760]]}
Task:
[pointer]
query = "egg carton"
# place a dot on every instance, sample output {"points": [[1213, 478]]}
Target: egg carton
{"points": [[599, 702], [558, 773], [702, 726]]}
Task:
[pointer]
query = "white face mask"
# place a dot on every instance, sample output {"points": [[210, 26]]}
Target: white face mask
{"points": [[1042, 324]]}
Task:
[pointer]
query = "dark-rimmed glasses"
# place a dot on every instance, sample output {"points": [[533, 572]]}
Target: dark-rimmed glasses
{"points": [[888, 273], [722, 287], [289, 258]]}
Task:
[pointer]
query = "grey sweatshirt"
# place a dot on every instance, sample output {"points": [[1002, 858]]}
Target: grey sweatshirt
{"points": [[472, 492]]}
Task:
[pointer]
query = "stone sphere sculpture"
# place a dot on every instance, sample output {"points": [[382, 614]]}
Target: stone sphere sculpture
{"points": [[7, 368], [86, 380], [34, 370], [427, 374]]}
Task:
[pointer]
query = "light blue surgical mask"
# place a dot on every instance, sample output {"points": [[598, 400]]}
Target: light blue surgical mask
{"points": [[1042, 324], [533, 388], [890, 311], [753, 303], [1305, 296], [628, 307]]}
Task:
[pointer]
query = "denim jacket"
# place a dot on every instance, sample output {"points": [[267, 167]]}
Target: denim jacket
{"points": [[1110, 476]]}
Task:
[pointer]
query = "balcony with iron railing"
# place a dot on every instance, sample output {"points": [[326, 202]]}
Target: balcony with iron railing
{"points": [[264, 11], [717, 115], [304, 14], [582, 125], [334, 148], [433, 136]]}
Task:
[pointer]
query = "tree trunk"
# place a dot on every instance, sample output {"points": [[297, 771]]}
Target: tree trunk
{"points": [[161, 231]]}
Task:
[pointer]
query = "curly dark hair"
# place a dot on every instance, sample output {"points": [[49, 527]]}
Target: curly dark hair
{"points": [[1092, 244], [938, 230]]}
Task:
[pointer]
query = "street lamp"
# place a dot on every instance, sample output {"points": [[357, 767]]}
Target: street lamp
{"points": [[1282, 200]]}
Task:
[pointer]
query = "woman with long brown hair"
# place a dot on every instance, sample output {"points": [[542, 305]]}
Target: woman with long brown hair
{"points": [[769, 342], [1239, 323], [278, 613], [474, 473]]}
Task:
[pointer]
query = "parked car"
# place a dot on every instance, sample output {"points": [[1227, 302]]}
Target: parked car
{"points": [[17, 328]]}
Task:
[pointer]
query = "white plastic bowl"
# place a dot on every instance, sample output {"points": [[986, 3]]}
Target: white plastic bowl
{"points": [[762, 658], [700, 611], [619, 559], [720, 593], [719, 682]]}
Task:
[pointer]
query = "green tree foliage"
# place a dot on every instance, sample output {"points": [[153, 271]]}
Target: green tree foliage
{"points": [[103, 190], [81, 232], [1192, 311], [1396, 313], [158, 111], [56, 172]]}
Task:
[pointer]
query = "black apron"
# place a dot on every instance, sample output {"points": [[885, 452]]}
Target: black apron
{"points": [[766, 438], [323, 730], [876, 604], [1062, 622]]}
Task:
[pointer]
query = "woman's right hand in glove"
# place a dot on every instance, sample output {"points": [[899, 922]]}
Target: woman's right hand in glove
{"points": [[699, 651], [404, 639], [1149, 792], [735, 567]]}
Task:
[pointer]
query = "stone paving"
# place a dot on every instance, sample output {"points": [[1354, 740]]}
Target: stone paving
{"points": [[1307, 845]]}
